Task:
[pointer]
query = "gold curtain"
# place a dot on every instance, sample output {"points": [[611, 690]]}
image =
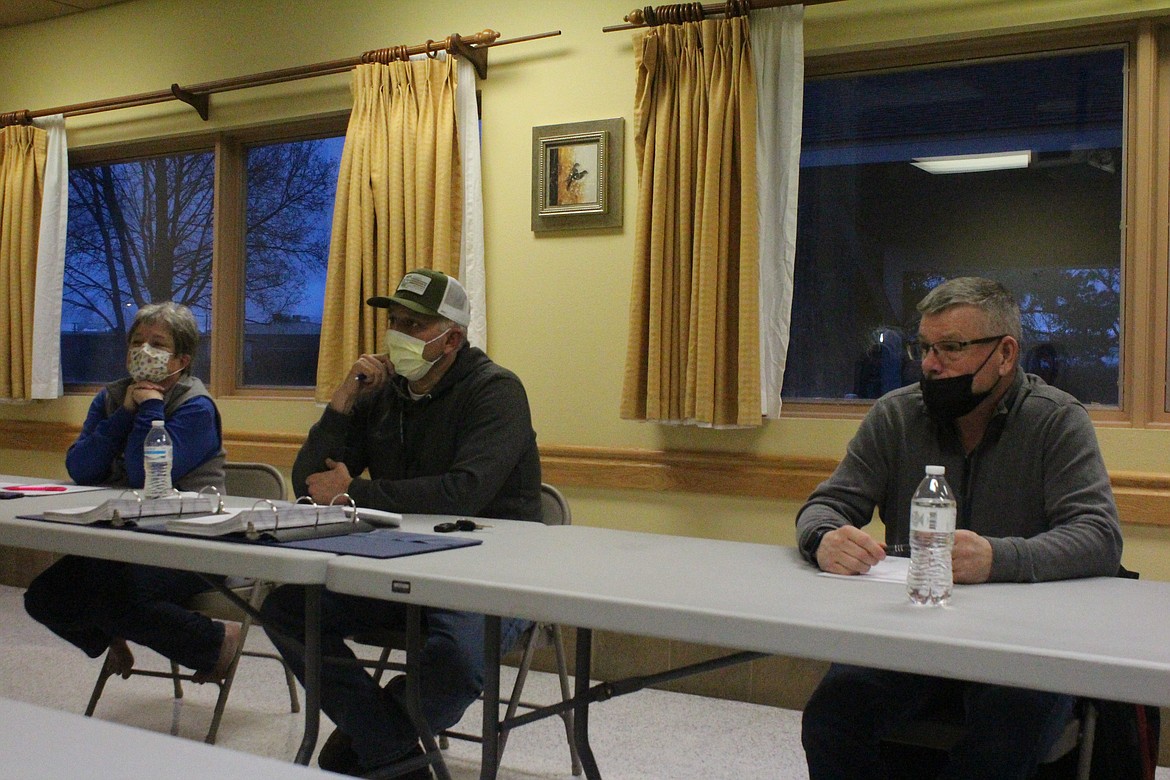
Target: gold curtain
{"points": [[398, 205], [693, 351], [23, 152]]}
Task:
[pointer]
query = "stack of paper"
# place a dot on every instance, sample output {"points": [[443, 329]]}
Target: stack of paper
{"points": [[261, 519], [118, 510]]}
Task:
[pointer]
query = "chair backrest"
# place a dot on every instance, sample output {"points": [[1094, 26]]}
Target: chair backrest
{"points": [[554, 509], [254, 480]]}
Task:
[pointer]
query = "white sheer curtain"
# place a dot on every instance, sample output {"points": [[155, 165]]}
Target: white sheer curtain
{"points": [[471, 264], [471, 249], [46, 363], [778, 60]]}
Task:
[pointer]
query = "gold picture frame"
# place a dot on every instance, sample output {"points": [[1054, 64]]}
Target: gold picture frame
{"points": [[577, 175]]}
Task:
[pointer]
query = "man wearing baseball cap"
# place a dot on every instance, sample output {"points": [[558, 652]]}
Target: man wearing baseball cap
{"points": [[430, 426]]}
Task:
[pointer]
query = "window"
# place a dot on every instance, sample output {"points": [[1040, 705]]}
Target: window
{"points": [[289, 215], [139, 232], [877, 230], [158, 225]]}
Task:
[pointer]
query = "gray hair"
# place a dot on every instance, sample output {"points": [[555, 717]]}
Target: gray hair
{"points": [[989, 296], [178, 319]]}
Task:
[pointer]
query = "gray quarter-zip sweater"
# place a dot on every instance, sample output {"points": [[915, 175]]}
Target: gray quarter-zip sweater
{"points": [[1036, 486]]}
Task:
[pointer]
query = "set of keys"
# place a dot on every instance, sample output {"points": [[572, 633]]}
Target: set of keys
{"points": [[462, 524]]}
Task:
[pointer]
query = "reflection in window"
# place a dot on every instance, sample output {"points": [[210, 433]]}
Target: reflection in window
{"points": [[139, 232], [876, 231], [289, 216]]}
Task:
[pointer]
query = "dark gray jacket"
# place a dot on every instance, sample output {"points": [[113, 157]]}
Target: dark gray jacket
{"points": [[1035, 487], [466, 448]]}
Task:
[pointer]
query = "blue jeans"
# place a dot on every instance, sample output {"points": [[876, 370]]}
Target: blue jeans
{"points": [[452, 665], [1009, 729], [89, 601]]}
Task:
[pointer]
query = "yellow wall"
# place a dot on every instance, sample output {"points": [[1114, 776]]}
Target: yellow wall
{"points": [[558, 302]]}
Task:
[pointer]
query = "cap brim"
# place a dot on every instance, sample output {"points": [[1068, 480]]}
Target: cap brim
{"points": [[384, 301]]}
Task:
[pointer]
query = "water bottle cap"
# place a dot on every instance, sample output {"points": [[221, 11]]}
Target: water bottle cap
{"points": [[936, 471], [157, 423]]}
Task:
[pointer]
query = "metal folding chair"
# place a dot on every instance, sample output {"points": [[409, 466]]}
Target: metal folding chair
{"points": [[253, 480], [554, 511]]}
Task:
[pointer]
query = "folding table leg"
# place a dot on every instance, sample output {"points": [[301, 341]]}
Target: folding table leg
{"points": [[312, 672], [581, 709], [490, 761]]}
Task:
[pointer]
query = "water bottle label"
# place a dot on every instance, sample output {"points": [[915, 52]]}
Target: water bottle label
{"points": [[933, 518], [155, 452]]}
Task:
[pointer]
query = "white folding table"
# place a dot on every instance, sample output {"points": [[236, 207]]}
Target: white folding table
{"points": [[210, 556], [43, 744], [1101, 637]]}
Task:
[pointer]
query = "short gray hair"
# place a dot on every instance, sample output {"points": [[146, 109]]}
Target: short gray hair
{"points": [[989, 296], [178, 319]]}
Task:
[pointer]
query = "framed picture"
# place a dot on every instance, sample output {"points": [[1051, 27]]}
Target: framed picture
{"points": [[577, 175]]}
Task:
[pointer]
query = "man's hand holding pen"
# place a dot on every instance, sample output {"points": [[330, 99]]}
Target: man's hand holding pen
{"points": [[368, 374], [848, 550]]}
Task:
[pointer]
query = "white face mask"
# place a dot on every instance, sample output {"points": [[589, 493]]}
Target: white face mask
{"points": [[406, 354], [148, 364]]}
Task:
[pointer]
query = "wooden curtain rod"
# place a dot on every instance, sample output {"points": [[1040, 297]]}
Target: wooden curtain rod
{"points": [[693, 12], [472, 47]]}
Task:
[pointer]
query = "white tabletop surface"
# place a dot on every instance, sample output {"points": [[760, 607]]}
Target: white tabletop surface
{"points": [[43, 744], [303, 567], [1103, 637]]}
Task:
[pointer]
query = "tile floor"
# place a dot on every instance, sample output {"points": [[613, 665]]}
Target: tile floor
{"points": [[649, 735]]}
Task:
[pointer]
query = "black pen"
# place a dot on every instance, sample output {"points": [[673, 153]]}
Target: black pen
{"points": [[899, 550]]}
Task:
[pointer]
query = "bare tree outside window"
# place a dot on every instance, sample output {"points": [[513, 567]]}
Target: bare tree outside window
{"points": [[291, 188], [141, 231]]}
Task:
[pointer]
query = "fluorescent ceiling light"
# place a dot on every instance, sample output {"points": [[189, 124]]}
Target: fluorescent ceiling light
{"points": [[969, 163]]}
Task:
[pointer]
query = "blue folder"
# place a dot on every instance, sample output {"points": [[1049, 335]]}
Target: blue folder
{"points": [[383, 543]]}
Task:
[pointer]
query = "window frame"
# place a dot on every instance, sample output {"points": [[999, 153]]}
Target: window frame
{"points": [[1145, 245], [226, 340]]}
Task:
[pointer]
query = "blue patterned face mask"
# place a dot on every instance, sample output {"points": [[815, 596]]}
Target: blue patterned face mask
{"points": [[406, 354]]}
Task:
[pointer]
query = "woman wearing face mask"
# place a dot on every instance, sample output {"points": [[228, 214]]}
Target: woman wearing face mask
{"points": [[162, 344], [97, 604]]}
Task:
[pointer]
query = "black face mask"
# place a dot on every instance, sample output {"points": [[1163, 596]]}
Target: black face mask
{"points": [[951, 398]]}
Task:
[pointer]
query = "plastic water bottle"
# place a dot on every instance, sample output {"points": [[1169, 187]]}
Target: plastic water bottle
{"points": [[932, 534], [157, 455]]}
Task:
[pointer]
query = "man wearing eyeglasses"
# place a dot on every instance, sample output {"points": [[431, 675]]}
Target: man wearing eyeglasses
{"points": [[1034, 504]]}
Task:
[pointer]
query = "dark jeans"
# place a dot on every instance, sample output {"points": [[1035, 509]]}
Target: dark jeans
{"points": [[452, 666], [1009, 729], [89, 601]]}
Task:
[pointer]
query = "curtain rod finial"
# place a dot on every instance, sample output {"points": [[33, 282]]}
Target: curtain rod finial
{"points": [[642, 17], [21, 117]]}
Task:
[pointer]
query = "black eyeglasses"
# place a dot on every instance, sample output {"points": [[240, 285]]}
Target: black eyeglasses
{"points": [[946, 351]]}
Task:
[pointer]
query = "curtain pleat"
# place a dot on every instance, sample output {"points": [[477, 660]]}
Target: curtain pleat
{"points": [[23, 153], [693, 350], [399, 202]]}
